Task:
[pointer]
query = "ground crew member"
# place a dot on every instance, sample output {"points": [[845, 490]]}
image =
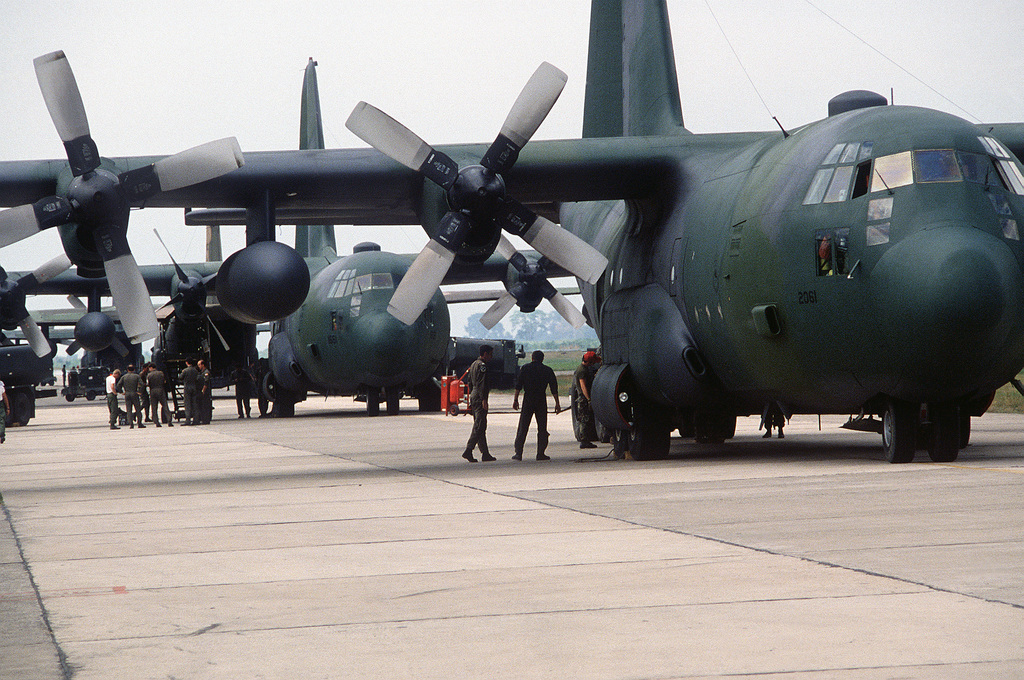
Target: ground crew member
{"points": [[158, 396], [259, 372], [129, 386], [583, 380], [189, 383], [479, 389], [243, 391], [205, 396], [144, 389], [111, 384], [534, 380]]}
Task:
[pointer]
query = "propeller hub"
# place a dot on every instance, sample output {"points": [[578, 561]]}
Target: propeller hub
{"points": [[478, 191], [12, 302], [97, 198]]}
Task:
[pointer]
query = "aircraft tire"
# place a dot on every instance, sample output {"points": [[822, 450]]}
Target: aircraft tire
{"points": [[965, 430], [372, 404], [393, 396], [22, 407], [651, 434], [283, 407], [899, 431], [944, 445]]}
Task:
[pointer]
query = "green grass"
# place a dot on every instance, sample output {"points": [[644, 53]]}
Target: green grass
{"points": [[1008, 399]]}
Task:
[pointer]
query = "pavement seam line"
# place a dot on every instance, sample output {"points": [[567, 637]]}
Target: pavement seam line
{"points": [[62, 658]]}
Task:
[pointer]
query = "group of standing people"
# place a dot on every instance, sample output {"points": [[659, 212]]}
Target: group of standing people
{"points": [[534, 381], [195, 385], [145, 396]]}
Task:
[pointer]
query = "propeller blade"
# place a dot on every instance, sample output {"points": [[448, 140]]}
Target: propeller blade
{"points": [[505, 248], [17, 224], [567, 310], [27, 220], [54, 267], [73, 348], [529, 111], [199, 164], [558, 245], [420, 282], [192, 166], [60, 92], [131, 298], [181, 272], [119, 346], [64, 102], [498, 310], [77, 303], [30, 329], [401, 144], [220, 336]]}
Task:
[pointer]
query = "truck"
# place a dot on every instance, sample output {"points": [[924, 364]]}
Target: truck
{"points": [[502, 369], [26, 377], [87, 381]]}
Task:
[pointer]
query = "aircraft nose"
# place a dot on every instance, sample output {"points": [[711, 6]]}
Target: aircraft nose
{"points": [[383, 344], [949, 302]]}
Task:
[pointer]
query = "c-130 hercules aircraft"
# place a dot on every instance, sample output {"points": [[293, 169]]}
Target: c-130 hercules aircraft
{"points": [[869, 263]]}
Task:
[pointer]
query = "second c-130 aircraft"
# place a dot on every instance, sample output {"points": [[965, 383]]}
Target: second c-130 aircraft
{"points": [[869, 263]]}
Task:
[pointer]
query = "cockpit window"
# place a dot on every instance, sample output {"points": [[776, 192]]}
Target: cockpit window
{"points": [[342, 285], [347, 283], [976, 167], [937, 165], [819, 184], [839, 188], [831, 184], [833, 156], [891, 172], [1009, 170], [849, 153]]}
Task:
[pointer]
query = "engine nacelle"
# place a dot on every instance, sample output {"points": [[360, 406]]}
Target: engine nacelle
{"points": [[95, 331], [262, 282]]}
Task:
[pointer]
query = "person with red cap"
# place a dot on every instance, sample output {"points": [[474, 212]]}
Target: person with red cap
{"points": [[583, 379]]}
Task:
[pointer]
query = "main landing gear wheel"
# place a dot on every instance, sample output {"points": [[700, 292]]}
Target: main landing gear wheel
{"points": [[944, 445], [899, 430], [651, 434], [392, 397]]}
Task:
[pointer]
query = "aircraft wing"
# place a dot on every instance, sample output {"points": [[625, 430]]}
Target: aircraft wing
{"points": [[460, 296], [363, 186], [157, 277]]}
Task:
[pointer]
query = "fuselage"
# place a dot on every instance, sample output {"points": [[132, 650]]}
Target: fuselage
{"points": [[874, 253], [342, 339]]}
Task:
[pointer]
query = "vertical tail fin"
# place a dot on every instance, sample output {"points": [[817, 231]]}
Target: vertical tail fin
{"points": [[313, 240], [632, 87], [213, 244]]}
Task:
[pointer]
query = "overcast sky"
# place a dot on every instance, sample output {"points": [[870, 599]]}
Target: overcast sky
{"points": [[159, 77]]}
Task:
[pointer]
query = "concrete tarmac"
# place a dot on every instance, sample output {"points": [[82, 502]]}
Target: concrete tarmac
{"points": [[333, 545]]}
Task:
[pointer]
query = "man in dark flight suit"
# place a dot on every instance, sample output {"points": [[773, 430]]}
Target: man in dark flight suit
{"points": [[479, 389], [534, 380], [158, 397], [129, 384], [189, 383]]}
